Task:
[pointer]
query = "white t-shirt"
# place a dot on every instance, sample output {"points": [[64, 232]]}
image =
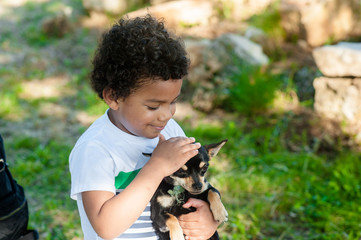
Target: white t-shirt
{"points": [[106, 158]]}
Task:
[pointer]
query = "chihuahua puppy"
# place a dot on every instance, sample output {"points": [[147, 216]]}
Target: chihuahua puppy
{"points": [[175, 190]]}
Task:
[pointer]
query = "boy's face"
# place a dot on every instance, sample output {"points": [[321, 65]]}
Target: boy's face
{"points": [[146, 111]]}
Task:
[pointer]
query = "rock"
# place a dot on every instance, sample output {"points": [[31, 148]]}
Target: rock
{"points": [[192, 18], [254, 34], [57, 26], [340, 60], [110, 6], [319, 21], [196, 50], [243, 48], [338, 98], [211, 60], [182, 13]]}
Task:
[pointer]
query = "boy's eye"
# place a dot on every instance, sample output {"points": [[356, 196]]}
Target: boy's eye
{"points": [[152, 108]]}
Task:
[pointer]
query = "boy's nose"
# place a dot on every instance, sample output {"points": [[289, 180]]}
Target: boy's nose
{"points": [[166, 114]]}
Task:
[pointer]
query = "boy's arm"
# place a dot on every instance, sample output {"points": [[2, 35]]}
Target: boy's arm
{"points": [[110, 214]]}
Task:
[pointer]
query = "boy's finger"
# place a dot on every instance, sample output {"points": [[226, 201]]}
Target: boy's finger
{"points": [[193, 202], [192, 146], [161, 138]]}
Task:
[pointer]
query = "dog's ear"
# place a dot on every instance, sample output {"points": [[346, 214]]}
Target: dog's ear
{"points": [[214, 148]]}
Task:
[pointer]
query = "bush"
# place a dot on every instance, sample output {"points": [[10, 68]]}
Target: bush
{"points": [[253, 90]]}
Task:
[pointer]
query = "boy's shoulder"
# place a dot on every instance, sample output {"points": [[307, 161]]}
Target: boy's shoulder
{"points": [[94, 131], [173, 129]]}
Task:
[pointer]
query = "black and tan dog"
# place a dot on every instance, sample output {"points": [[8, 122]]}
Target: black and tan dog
{"points": [[188, 182]]}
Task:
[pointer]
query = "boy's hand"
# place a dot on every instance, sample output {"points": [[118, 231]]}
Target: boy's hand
{"points": [[172, 154], [198, 225]]}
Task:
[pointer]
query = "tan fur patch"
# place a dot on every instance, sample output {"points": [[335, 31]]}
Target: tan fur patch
{"points": [[165, 201], [219, 211], [202, 164], [184, 182], [175, 230], [184, 167], [188, 181]]}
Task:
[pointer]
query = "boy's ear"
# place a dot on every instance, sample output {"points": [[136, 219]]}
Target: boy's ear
{"points": [[109, 99], [214, 148]]}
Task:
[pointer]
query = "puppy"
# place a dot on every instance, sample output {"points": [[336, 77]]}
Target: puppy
{"points": [[175, 190]]}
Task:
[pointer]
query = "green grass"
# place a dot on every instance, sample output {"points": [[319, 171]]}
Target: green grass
{"points": [[277, 180], [42, 169], [279, 194]]}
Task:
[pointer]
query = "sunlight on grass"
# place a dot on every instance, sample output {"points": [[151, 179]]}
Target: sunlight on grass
{"points": [[51, 87], [10, 107]]}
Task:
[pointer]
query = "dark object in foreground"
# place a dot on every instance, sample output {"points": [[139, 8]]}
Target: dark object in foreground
{"points": [[14, 213]]}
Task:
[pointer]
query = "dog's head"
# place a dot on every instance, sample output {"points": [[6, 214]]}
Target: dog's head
{"points": [[191, 176]]}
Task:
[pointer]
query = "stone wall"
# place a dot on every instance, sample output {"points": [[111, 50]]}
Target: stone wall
{"points": [[338, 92]]}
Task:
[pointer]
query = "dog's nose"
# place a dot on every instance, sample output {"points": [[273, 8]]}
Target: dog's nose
{"points": [[197, 186]]}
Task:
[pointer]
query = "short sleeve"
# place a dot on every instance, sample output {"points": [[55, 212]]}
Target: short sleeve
{"points": [[91, 169]]}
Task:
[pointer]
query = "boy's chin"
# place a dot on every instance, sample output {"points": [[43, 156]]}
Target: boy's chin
{"points": [[149, 135]]}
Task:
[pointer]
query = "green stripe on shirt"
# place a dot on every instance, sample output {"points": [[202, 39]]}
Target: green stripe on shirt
{"points": [[124, 178]]}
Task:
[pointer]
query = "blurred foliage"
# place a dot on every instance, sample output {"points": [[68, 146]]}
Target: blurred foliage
{"points": [[252, 90]]}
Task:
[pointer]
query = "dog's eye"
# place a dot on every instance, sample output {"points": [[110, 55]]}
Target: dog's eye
{"points": [[181, 173], [204, 169]]}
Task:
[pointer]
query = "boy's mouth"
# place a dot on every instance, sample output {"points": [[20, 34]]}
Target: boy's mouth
{"points": [[159, 128]]}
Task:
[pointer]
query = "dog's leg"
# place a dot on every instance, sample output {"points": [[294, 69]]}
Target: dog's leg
{"points": [[219, 211], [175, 230]]}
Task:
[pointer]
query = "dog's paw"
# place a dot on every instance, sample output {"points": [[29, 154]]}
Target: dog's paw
{"points": [[175, 230], [220, 214], [164, 229], [219, 211], [177, 236]]}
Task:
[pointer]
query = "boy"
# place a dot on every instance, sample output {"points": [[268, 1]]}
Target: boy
{"points": [[137, 70]]}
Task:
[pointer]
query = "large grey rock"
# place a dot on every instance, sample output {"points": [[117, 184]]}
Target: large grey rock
{"points": [[338, 98], [211, 56], [340, 60], [212, 59], [243, 49]]}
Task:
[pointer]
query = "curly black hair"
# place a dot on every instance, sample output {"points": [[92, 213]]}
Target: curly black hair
{"points": [[135, 51]]}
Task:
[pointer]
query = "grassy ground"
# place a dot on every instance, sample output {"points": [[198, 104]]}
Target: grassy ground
{"points": [[277, 180]]}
